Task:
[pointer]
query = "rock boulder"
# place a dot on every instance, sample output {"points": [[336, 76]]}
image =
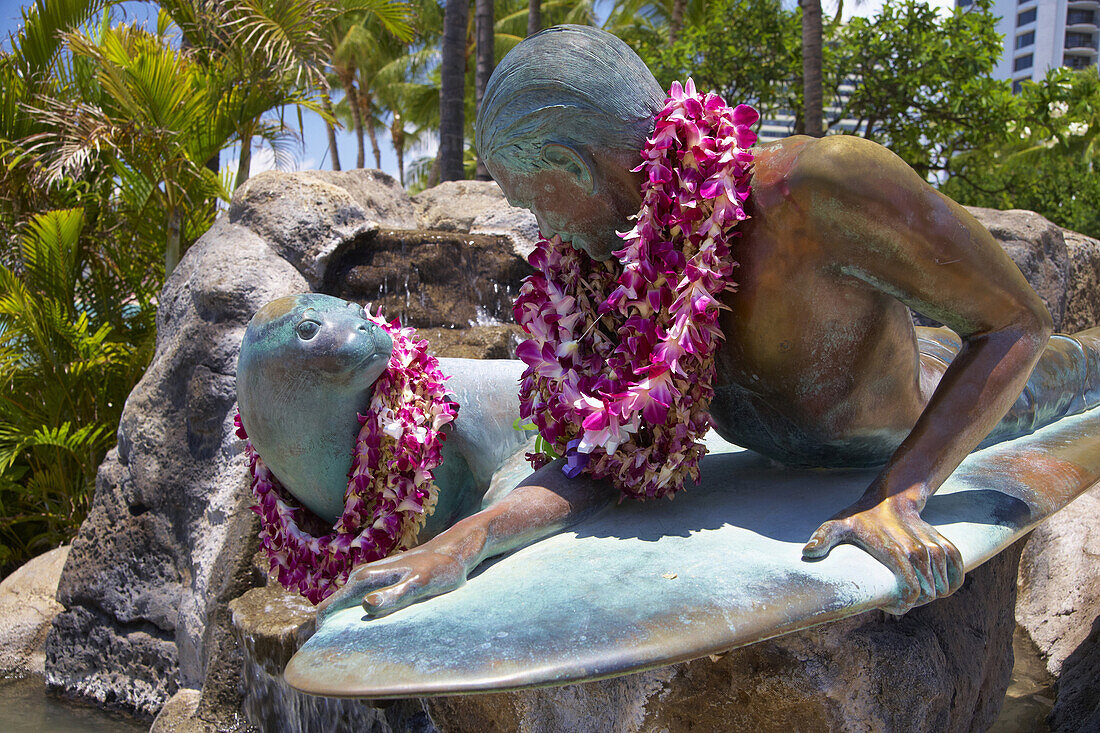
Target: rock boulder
{"points": [[1083, 289], [477, 207], [430, 279], [1038, 248], [1059, 607], [27, 607]]}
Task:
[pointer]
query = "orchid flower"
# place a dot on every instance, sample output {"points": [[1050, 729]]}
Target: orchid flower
{"points": [[620, 365]]}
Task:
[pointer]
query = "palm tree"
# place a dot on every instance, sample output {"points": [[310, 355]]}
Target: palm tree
{"points": [[534, 22], [330, 129], [676, 20], [485, 63], [812, 114], [365, 44], [452, 91]]}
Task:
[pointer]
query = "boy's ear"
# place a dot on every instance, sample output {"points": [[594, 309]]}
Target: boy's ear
{"points": [[569, 160]]}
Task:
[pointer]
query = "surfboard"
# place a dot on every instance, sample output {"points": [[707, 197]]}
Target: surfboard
{"points": [[647, 584]]}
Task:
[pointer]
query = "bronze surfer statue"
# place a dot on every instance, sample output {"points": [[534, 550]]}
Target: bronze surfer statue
{"points": [[820, 363]]}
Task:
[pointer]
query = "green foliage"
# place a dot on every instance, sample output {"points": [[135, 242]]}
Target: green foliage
{"points": [[924, 87], [74, 338], [1044, 158], [922, 81], [542, 445], [749, 51], [106, 134]]}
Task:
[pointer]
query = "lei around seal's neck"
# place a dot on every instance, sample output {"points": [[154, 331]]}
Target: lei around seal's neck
{"points": [[390, 490], [620, 359]]}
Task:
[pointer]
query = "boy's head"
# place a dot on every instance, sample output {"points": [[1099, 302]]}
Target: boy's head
{"points": [[562, 121]]}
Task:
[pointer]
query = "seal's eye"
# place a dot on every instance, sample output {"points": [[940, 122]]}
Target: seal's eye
{"points": [[307, 329]]}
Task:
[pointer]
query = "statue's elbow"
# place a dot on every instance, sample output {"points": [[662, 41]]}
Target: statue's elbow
{"points": [[1036, 326]]}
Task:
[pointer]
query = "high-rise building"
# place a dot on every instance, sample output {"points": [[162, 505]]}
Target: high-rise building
{"points": [[781, 124], [1042, 34]]}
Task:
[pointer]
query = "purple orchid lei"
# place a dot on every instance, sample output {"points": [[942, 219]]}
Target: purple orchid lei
{"points": [[390, 489], [620, 359]]}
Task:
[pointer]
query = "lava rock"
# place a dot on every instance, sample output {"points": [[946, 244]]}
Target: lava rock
{"points": [[381, 197], [1083, 290], [1059, 608], [477, 207], [453, 206], [430, 279], [1038, 248], [170, 512], [271, 623]]}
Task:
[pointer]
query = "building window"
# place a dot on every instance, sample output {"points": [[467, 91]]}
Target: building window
{"points": [[1025, 40], [1080, 40], [965, 3], [1077, 62], [1024, 62], [1028, 16], [1073, 17], [1017, 86]]}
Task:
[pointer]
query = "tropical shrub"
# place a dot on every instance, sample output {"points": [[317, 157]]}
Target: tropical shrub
{"points": [[76, 332]]}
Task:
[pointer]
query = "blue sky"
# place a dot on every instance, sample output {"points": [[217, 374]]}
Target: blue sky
{"points": [[314, 150]]}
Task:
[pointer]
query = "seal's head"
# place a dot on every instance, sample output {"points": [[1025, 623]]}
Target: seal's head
{"points": [[306, 369]]}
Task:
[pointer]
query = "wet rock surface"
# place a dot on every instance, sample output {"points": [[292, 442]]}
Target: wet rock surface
{"points": [[480, 342], [430, 278], [271, 623]]}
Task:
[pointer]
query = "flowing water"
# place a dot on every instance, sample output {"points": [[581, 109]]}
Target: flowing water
{"points": [[25, 707], [1030, 695]]}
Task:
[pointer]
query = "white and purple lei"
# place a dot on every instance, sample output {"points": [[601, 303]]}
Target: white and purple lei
{"points": [[620, 359], [390, 490]]}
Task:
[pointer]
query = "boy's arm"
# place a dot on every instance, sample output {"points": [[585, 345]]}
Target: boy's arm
{"points": [[897, 234], [546, 502]]}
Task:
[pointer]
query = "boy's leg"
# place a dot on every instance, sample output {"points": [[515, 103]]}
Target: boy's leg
{"points": [[1066, 381]]}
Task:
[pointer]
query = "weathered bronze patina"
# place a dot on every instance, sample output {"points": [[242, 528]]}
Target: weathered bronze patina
{"points": [[642, 585], [821, 364], [307, 366]]}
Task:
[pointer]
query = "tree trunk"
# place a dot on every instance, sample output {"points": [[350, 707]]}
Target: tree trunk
{"points": [[372, 135], [534, 17], [811, 67], [172, 246], [244, 163], [484, 65], [452, 90], [357, 122], [676, 22], [326, 104], [397, 137]]}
